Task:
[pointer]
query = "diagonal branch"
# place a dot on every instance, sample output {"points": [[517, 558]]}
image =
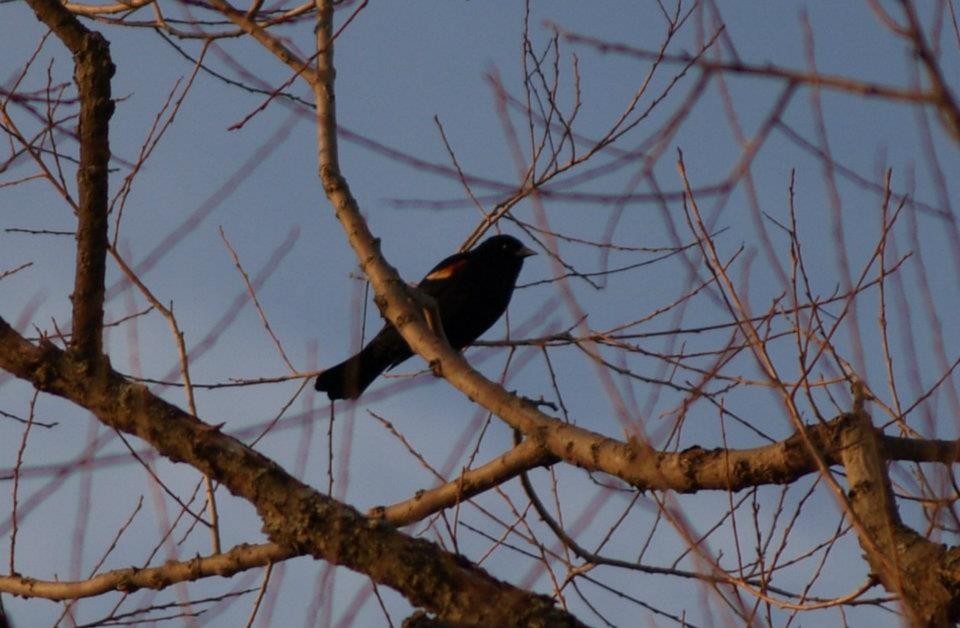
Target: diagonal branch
{"points": [[527, 455], [922, 572], [294, 515], [237, 559], [92, 73], [943, 98]]}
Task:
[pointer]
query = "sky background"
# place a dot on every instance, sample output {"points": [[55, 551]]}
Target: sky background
{"points": [[400, 66]]}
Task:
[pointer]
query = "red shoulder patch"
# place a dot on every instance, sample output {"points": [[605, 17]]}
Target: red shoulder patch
{"points": [[446, 271]]}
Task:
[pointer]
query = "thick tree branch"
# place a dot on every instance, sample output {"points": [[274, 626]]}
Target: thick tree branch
{"points": [[93, 70], [294, 515], [923, 573]]}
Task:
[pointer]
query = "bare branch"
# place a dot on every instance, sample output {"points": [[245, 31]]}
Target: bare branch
{"points": [[92, 74], [235, 560], [294, 515]]}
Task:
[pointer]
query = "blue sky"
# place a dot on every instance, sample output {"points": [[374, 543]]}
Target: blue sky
{"points": [[400, 65]]}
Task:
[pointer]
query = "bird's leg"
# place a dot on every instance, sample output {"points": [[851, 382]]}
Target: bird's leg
{"points": [[431, 312]]}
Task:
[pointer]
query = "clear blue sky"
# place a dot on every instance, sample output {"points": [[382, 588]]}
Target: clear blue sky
{"points": [[400, 65]]}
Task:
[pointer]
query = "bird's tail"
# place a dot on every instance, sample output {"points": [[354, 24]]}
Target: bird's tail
{"points": [[352, 376]]}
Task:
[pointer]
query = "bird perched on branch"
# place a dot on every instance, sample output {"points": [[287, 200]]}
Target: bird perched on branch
{"points": [[471, 291]]}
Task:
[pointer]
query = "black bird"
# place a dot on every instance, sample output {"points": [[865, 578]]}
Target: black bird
{"points": [[472, 291]]}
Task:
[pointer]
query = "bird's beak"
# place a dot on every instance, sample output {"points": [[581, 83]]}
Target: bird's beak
{"points": [[525, 252]]}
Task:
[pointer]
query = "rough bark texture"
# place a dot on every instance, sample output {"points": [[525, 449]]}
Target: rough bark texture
{"points": [[924, 574], [294, 515], [93, 70]]}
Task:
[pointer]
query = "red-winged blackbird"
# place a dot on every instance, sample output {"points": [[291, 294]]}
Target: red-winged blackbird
{"points": [[472, 291]]}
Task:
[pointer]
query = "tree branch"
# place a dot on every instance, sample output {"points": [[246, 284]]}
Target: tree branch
{"points": [[923, 573], [294, 515], [93, 70], [237, 559], [525, 456]]}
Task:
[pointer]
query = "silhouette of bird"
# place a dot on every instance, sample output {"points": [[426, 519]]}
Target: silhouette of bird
{"points": [[472, 291]]}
